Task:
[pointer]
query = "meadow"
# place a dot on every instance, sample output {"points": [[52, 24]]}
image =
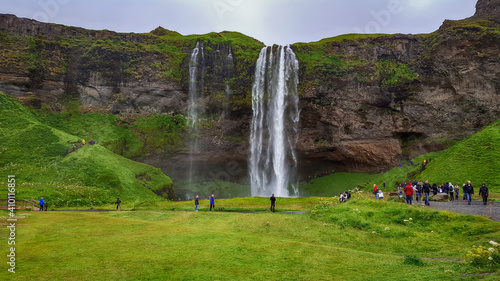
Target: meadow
{"points": [[362, 239]]}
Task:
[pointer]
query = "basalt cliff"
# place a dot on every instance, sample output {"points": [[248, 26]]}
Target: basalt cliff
{"points": [[367, 101]]}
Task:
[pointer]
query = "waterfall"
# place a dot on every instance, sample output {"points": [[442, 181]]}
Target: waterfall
{"points": [[195, 102], [275, 120]]}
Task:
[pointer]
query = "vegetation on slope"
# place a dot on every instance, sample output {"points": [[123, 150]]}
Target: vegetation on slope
{"points": [[132, 136], [44, 163]]}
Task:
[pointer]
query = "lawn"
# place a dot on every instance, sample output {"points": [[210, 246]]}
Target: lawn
{"points": [[362, 239]]}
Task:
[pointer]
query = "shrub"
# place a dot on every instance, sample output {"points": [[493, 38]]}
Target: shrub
{"points": [[413, 260]]}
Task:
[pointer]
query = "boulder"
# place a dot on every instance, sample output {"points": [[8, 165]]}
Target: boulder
{"points": [[439, 197]]}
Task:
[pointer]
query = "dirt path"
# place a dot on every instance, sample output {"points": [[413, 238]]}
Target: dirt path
{"points": [[476, 208]]}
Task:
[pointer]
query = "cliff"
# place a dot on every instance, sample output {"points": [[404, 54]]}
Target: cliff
{"points": [[367, 101]]}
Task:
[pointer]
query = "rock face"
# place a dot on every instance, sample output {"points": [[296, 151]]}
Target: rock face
{"points": [[366, 102], [487, 9]]}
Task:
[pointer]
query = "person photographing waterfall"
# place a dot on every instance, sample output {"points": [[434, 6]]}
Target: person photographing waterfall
{"points": [[273, 203], [212, 203]]}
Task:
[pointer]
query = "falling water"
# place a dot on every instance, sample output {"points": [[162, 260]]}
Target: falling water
{"points": [[195, 102], [274, 128]]}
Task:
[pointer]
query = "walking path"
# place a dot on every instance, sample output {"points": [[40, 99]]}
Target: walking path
{"points": [[476, 208]]}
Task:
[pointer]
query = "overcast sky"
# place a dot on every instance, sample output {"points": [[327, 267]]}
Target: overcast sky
{"points": [[270, 21]]}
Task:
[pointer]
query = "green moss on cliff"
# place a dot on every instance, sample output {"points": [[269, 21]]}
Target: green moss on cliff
{"points": [[392, 73]]}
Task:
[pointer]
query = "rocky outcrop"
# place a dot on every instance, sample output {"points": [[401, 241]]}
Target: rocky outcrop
{"points": [[487, 9], [367, 103]]}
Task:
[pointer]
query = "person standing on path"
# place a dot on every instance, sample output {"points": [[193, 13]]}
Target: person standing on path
{"points": [[41, 204], [426, 188], [418, 187], [273, 203], [409, 193], [451, 190], [457, 189], [483, 191], [118, 202], [400, 191], [375, 191], [212, 203], [468, 190], [196, 203]]}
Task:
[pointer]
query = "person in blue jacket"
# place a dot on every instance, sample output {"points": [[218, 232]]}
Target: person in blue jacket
{"points": [[212, 203], [196, 203], [41, 204]]}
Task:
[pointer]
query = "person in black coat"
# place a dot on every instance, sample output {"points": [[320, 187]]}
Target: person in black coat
{"points": [[434, 189], [483, 191], [468, 190], [273, 202]]}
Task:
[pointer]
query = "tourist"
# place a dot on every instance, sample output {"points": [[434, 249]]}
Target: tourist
{"points": [[375, 191], [457, 189], [383, 184], [434, 189], [483, 191], [450, 189], [118, 202], [400, 190], [426, 188], [273, 203], [380, 195], [341, 198], [196, 203], [418, 187], [41, 204], [83, 142], [212, 203], [346, 196], [469, 190], [409, 193]]}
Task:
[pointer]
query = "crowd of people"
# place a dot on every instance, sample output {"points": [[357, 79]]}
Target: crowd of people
{"points": [[418, 190]]}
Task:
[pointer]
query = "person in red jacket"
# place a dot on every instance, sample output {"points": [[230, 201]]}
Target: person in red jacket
{"points": [[409, 193], [375, 191]]}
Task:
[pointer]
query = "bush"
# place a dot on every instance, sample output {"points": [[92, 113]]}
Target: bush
{"points": [[413, 260]]}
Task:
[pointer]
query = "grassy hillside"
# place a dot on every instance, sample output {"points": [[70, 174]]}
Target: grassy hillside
{"points": [[333, 184], [131, 137], [476, 158], [362, 239], [43, 160]]}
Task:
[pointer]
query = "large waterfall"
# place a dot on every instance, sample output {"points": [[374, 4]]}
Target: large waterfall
{"points": [[274, 128], [195, 102]]}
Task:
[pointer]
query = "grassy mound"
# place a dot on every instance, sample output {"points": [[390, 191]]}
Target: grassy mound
{"points": [[45, 164], [333, 184]]}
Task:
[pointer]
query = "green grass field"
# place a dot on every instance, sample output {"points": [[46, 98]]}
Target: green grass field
{"points": [[362, 239]]}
